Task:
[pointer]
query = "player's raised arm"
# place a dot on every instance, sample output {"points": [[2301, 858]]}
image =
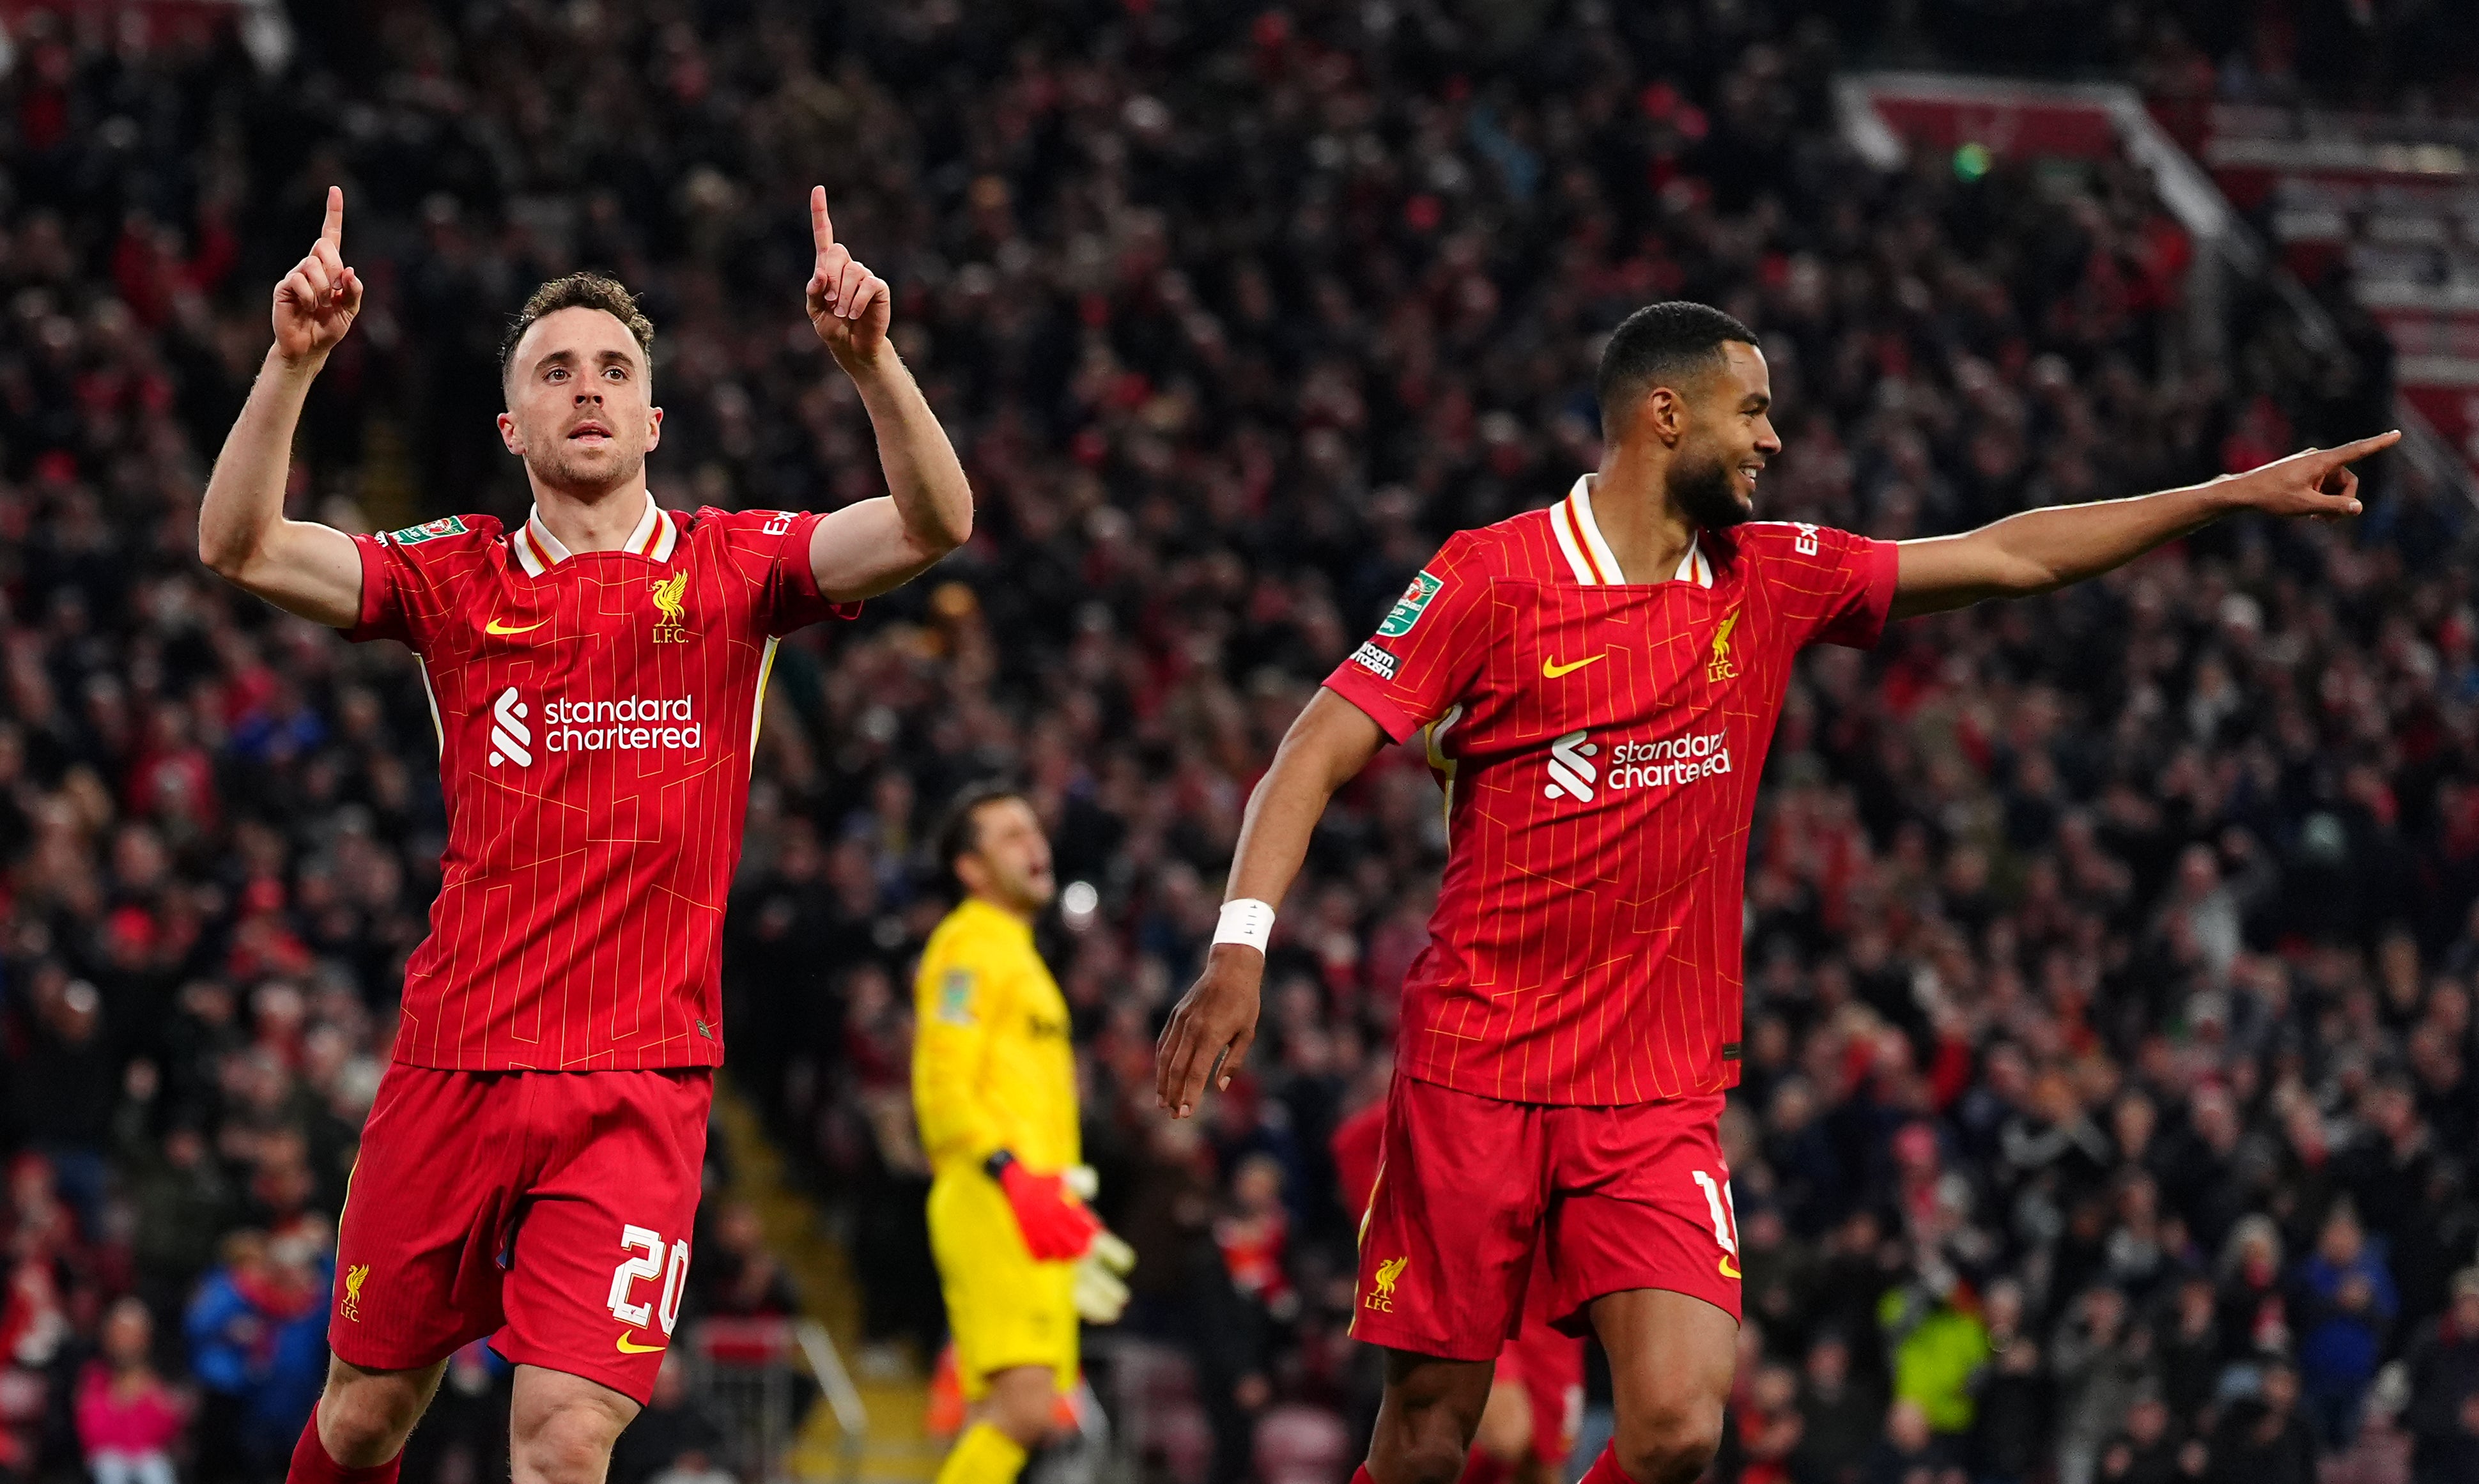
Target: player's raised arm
{"points": [[1331, 741], [2038, 550], [299, 566], [874, 545]]}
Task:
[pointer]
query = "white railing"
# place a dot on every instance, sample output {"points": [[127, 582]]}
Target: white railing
{"points": [[744, 1373]]}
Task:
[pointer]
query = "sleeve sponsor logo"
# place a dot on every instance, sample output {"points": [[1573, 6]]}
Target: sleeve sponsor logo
{"points": [[1369, 656], [1407, 608], [428, 531], [956, 996]]}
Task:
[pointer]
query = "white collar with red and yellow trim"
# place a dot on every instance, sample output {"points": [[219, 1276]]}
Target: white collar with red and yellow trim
{"points": [[1590, 558], [538, 551]]}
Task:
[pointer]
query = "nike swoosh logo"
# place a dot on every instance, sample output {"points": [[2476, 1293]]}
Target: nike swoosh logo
{"points": [[627, 1347], [495, 626], [1727, 1271], [1552, 669]]}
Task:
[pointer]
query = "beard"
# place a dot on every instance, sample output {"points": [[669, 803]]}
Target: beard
{"points": [[1701, 488], [582, 470]]}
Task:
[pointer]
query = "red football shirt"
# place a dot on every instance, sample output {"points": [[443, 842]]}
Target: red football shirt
{"points": [[1600, 744], [597, 716]]}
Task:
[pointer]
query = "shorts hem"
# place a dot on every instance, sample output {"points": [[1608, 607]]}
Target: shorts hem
{"points": [[616, 1376], [379, 1357], [1430, 1346], [1577, 1323]]}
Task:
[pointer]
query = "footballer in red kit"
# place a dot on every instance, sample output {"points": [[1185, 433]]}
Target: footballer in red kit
{"points": [[1600, 744], [596, 677], [1594, 685], [597, 716]]}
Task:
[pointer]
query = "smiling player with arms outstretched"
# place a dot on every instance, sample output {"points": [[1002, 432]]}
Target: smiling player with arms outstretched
{"points": [[1599, 682], [596, 674]]}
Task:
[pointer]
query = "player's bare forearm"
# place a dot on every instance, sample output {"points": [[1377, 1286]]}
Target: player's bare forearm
{"points": [[1211, 1028], [2041, 551], [873, 546], [300, 567], [1325, 748]]}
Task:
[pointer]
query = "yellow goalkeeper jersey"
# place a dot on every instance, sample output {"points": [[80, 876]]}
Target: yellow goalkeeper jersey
{"points": [[992, 1064]]}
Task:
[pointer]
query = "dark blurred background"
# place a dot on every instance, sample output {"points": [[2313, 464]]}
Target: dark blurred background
{"points": [[2109, 1095]]}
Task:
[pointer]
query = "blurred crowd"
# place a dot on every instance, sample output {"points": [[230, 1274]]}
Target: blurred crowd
{"points": [[2385, 56], [2109, 958]]}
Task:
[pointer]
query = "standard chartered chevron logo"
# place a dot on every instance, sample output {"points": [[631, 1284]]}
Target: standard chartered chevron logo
{"points": [[1673, 762], [1572, 774], [511, 739]]}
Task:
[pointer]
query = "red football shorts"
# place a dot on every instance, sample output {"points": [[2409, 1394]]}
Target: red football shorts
{"points": [[550, 1212], [1630, 1196]]}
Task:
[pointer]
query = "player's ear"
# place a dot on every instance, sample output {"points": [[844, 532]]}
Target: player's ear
{"points": [[654, 428], [509, 435], [1662, 413]]}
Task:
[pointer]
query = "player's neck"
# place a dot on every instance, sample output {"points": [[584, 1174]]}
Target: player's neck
{"points": [[1631, 505], [1016, 910], [602, 522]]}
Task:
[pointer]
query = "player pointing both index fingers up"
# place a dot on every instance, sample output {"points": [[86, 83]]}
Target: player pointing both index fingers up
{"points": [[529, 1170], [1598, 683]]}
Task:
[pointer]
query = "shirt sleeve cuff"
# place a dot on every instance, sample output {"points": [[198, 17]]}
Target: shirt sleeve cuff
{"points": [[802, 573], [1365, 691], [365, 618], [1884, 564]]}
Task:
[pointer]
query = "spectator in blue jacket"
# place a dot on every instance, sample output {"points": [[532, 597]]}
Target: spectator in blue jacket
{"points": [[2347, 1302], [258, 1346]]}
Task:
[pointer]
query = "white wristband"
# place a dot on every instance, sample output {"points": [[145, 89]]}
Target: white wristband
{"points": [[1246, 921]]}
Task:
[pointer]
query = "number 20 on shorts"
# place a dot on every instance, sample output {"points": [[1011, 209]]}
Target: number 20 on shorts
{"points": [[1725, 1219], [648, 1262]]}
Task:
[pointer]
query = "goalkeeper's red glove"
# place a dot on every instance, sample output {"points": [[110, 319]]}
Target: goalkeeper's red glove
{"points": [[1057, 1226]]}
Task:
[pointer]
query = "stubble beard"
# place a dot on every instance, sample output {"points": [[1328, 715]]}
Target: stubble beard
{"points": [[1701, 487], [586, 474]]}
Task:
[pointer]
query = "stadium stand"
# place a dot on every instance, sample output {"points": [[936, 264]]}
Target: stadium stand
{"points": [[2109, 1091], [2395, 203]]}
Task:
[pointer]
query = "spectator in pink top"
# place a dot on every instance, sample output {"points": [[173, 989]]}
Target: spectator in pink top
{"points": [[127, 1418]]}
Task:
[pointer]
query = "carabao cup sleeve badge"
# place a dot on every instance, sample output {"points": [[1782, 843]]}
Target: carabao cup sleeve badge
{"points": [[1407, 608]]}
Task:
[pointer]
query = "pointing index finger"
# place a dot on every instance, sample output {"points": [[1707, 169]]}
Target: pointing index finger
{"points": [[332, 233], [2352, 452], [821, 227]]}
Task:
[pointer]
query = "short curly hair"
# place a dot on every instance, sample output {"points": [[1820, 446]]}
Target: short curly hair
{"points": [[579, 291], [1663, 345]]}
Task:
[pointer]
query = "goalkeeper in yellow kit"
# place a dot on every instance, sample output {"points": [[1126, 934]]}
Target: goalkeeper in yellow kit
{"points": [[1020, 1255]]}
